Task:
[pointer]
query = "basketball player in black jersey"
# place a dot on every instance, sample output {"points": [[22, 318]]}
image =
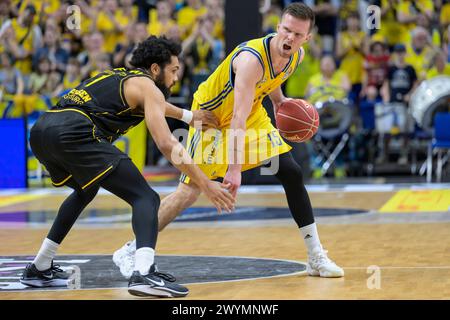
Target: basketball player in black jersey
{"points": [[73, 141]]}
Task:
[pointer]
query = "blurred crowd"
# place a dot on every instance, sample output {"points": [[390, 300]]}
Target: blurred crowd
{"points": [[347, 58], [374, 60], [47, 47]]}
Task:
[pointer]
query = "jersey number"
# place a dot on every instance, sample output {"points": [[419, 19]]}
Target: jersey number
{"points": [[275, 139]]}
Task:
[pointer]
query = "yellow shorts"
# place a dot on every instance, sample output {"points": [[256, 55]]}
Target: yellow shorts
{"points": [[209, 148]]}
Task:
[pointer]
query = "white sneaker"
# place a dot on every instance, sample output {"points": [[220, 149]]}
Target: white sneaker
{"points": [[320, 265], [124, 259]]}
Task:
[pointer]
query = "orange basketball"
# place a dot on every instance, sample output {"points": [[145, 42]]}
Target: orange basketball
{"points": [[297, 120]]}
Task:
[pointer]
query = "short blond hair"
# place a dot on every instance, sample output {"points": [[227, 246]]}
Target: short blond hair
{"points": [[300, 11]]}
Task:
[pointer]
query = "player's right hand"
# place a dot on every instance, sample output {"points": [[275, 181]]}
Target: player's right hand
{"points": [[218, 194], [203, 119], [233, 178]]}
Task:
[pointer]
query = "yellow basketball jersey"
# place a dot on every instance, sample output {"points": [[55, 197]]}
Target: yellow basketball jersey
{"points": [[216, 93], [24, 37]]}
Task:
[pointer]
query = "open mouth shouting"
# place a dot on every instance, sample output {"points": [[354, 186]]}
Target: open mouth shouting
{"points": [[287, 47]]}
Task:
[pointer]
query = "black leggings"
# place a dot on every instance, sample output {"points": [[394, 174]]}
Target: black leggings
{"points": [[127, 183], [291, 177]]}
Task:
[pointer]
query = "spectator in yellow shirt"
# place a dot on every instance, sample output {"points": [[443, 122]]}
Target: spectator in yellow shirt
{"points": [[215, 10], [161, 20], [111, 24], [128, 10], [410, 11], [88, 17], [419, 52], [204, 51], [433, 30], [188, 15], [42, 87], [392, 31], [328, 83], [93, 44], [441, 66], [21, 38], [350, 49], [347, 8], [444, 18], [46, 8]]}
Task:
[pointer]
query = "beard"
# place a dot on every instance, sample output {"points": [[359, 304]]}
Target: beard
{"points": [[159, 82]]}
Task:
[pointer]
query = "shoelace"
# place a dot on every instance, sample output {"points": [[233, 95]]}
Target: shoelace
{"points": [[165, 276], [321, 257], [56, 268], [129, 259]]}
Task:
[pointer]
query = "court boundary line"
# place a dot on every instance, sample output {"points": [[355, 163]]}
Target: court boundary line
{"points": [[258, 189]]}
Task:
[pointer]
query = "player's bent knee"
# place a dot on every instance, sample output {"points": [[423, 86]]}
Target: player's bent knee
{"points": [[148, 199], [154, 198], [292, 173], [297, 173]]}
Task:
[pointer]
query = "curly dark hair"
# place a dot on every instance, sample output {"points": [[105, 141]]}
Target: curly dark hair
{"points": [[154, 50]]}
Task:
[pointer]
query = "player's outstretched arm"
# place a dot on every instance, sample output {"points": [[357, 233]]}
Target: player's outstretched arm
{"points": [[153, 102], [200, 119], [248, 72]]}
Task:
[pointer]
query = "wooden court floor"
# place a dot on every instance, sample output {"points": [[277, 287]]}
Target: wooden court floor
{"points": [[412, 258]]}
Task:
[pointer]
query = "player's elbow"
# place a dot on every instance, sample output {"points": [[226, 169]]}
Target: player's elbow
{"points": [[166, 147], [164, 144]]}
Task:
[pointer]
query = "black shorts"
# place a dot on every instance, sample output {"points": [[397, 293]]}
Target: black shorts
{"points": [[65, 141]]}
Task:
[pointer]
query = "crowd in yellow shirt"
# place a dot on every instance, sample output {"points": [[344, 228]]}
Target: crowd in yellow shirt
{"points": [[92, 35], [422, 26]]}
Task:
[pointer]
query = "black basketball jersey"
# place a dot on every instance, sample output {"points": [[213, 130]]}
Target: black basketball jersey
{"points": [[102, 98]]}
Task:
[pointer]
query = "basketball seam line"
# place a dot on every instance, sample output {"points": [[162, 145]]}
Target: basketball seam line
{"points": [[301, 121]]}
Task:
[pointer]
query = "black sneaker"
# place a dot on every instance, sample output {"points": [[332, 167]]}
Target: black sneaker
{"points": [[155, 284], [53, 277]]}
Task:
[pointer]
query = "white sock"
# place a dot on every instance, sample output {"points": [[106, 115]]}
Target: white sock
{"points": [[43, 260], [144, 259], [311, 237]]}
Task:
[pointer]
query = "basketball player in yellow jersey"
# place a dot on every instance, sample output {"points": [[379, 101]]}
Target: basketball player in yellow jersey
{"points": [[234, 93]]}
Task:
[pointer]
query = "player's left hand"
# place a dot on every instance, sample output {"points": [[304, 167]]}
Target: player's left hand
{"points": [[203, 119]]}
